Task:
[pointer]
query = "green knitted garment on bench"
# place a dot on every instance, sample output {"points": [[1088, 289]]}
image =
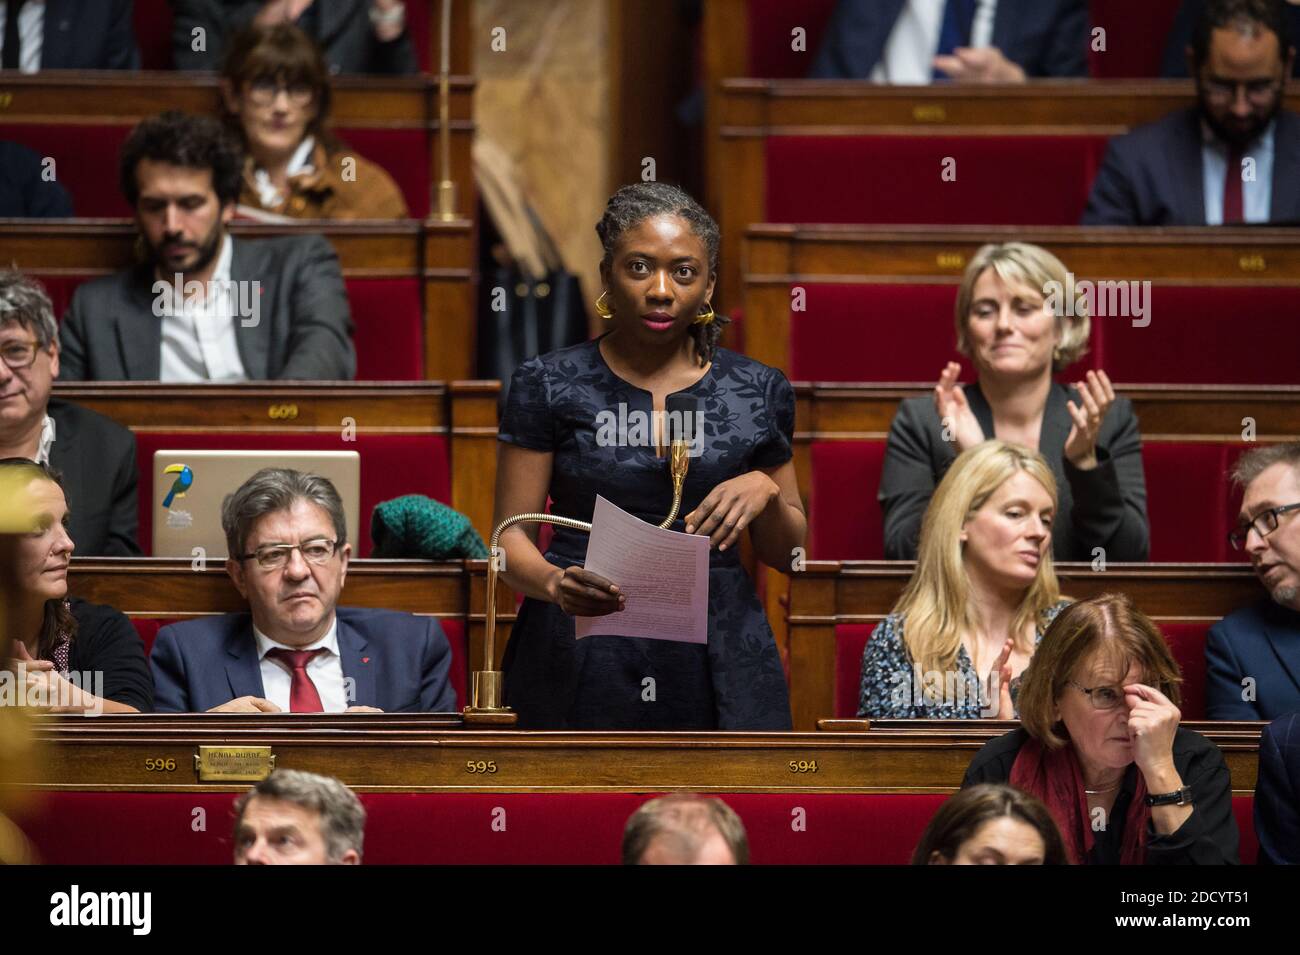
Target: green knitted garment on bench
{"points": [[417, 527]]}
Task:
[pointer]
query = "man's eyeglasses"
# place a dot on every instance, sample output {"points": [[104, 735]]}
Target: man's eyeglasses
{"points": [[1101, 697], [1265, 523], [19, 355], [1258, 92], [264, 91], [275, 556]]}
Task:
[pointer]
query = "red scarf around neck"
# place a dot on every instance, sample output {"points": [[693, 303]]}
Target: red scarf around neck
{"points": [[1054, 776]]}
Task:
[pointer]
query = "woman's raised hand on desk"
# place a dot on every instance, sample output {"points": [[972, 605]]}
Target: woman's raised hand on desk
{"points": [[960, 427]]}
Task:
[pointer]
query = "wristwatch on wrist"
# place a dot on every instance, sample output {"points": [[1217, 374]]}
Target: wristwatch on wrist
{"points": [[1179, 797]]}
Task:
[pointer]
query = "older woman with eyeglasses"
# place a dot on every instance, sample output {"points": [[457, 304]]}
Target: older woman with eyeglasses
{"points": [[275, 92], [1100, 745]]}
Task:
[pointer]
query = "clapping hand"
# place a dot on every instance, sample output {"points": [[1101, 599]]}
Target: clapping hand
{"points": [[961, 428], [985, 64], [1097, 396], [999, 681]]}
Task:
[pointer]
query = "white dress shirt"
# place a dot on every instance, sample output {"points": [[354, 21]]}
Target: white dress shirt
{"points": [[908, 57], [198, 339], [1256, 194], [31, 34], [298, 162], [325, 670], [47, 441]]}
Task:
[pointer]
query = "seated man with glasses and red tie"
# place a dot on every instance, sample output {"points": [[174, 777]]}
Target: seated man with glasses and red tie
{"points": [[1232, 158], [1252, 656], [296, 650]]}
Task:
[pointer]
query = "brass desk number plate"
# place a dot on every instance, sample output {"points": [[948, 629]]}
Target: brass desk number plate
{"points": [[234, 764]]}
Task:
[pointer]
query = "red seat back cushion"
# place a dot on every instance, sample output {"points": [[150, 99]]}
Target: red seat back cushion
{"points": [[391, 465], [1187, 642], [458, 828], [1243, 807], [771, 25], [404, 154], [153, 33], [844, 517], [1135, 37], [85, 162], [1187, 501], [850, 642], [899, 179], [1195, 336], [388, 316]]}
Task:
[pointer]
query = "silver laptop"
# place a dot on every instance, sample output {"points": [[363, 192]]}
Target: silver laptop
{"points": [[190, 486]]}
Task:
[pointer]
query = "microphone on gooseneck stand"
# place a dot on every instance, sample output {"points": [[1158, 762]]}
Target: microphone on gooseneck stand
{"points": [[682, 411]]}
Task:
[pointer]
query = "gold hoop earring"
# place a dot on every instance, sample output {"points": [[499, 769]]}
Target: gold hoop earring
{"points": [[705, 317], [602, 307]]}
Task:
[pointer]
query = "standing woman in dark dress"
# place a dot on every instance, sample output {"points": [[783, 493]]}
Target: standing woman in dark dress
{"points": [[69, 650], [658, 272]]}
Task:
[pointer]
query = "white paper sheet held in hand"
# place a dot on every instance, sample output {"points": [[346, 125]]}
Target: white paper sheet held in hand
{"points": [[663, 574]]}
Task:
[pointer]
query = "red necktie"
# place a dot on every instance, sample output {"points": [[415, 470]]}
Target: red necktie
{"points": [[1233, 204], [303, 697]]}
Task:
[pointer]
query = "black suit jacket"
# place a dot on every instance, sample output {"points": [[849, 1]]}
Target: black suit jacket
{"points": [[89, 35], [303, 329], [341, 27], [96, 456], [1105, 507], [1153, 175], [1260, 642], [399, 662], [1043, 37], [24, 192], [1277, 792]]}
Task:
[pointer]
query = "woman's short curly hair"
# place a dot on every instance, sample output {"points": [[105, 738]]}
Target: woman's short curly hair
{"points": [[191, 142], [633, 204], [1035, 268]]}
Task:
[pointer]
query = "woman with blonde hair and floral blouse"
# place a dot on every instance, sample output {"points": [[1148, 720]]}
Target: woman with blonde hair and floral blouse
{"points": [[983, 591]]}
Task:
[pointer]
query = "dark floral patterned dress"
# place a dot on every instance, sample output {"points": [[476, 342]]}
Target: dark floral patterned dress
{"points": [[892, 689], [735, 681]]}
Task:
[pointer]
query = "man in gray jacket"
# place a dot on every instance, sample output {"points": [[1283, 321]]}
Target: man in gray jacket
{"points": [[205, 306]]}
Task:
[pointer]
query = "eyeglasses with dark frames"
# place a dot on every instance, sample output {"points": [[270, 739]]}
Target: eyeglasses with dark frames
{"points": [[275, 556], [1101, 697], [1264, 523]]}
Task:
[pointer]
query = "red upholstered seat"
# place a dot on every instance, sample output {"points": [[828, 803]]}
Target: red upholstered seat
{"points": [[85, 162], [898, 179], [1243, 807], [771, 23], [391, 465], [844, 517], [1135, 37], [153, 33], [457, 828], [1187, 501], [404, 153], [850, 641], [872, 332], [1198, 335], [388, 315], [1187, 641], [148, 627]]}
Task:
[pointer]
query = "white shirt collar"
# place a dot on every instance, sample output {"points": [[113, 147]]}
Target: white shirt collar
{"points": [[299, 162], [329, 641], [47, 441]]}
